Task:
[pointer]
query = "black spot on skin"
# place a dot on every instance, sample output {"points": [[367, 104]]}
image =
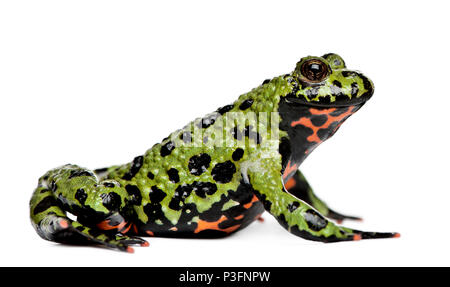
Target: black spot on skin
{"points": [[248, 132], [135, 196], [355, 89], [80, 172], [167, 149], [326, 133], [44, 204], [175, 204], [202, 189], [341, 97], [237, 154], [150, 175], [111, 200], [337, 83], [186, 137], [235, 211], [183, 191], [225, 109], [312, 93], [81, 196], [367, 86], [293, 206], [348, 73], [303, 233], [366, 83], [266, 81], [189, 211], [109, 184], [294, 84], [135, 167], [156, 195], [236, 133], [319, 120], [173, 175], [208, 120], [285, 150], [100, 170], [223, 172], [53, 186], [94, 232], [215, 212], [262, 197], [180, 194], [154, 212], [326, 99], [243, 194], [246, 104], [314, 220], [198, 164]]}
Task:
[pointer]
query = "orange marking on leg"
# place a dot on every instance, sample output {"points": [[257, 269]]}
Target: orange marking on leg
{"points": [[259, 218], [396, 235], [290, 183], [63, 223], [357, 237], [289, 169], [104, 225], [149, 233], [239, 217], [231, 228], [248, 205], [125, 230], [145, 244], [173, 228]]}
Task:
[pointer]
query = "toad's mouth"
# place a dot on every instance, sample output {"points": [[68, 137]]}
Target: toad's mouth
{"points": [[300, 102]]}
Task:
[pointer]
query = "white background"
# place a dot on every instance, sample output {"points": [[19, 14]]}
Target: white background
{"points": [[98, 82]]}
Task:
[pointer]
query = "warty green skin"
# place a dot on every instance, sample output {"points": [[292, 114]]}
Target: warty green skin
{"points": [[144, 197]]}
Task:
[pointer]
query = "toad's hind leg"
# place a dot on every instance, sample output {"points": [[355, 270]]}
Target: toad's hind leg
{"points": [[299, 187], [76, 190]]}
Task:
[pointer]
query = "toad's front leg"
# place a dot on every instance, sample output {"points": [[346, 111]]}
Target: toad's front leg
{"points": [[298, 217], [299, 187]]}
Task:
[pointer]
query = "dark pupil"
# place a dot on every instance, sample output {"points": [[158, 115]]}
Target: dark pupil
{"points": [[315, 68], [314, 71]]}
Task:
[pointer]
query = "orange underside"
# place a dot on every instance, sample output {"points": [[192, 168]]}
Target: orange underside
{"points": [[214, 225], [331, 119]]}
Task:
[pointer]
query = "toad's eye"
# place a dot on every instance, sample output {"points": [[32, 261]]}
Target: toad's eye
{"points": [[314, 70]]}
